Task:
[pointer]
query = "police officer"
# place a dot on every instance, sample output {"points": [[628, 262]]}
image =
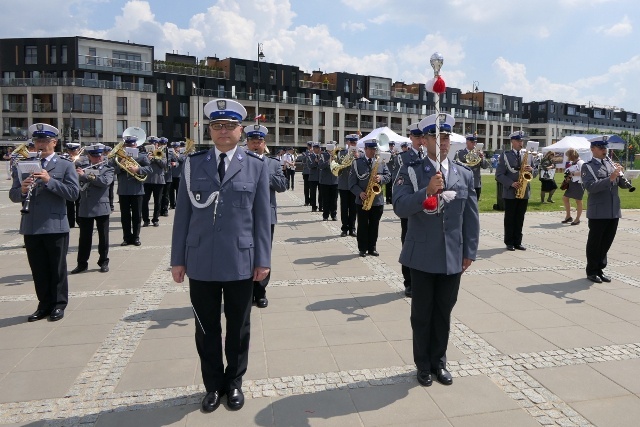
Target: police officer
{"points": [[45, 228], [368, 220], [95, 180], [221, 240], [507, 173], [305, 174], [328, 183], [461, 156], [178, 148], [391, 165], [172, 161], [409, 156], [131, 193], [314, 175], [154, 184], [277, 183], [107, 150], [439, 246], [601, 179], [348, 210], [72, 153]]}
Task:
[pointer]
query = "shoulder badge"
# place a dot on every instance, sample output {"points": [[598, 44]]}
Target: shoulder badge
{"points": [[254, 155], [197, 153]]}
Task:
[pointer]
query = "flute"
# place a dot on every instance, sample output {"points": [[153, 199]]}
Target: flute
{"points": [[626, 184]]}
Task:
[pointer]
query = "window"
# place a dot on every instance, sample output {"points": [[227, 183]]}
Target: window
{"points": [[121, 106], [146, 126], [272, 77], [90, 76], [145, 107], [454, 98], [294, 79], [359, 87], [53, 55], [182, 89], [161, 86], [82, 103], [571, 111], [443, 98], [241, 73], [221, 91], [184, 109], [347, 83], [516, 106], [30, 55], [121, 125], [553, 107], [542, 107], [128, 60], [256, 70], [91, 58], [159, 108]]}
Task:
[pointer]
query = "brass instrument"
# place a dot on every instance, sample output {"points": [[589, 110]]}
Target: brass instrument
{"points": [[77, 156], [121, 157], [22, 151], [190, 146], [85, 185], [472, 158], [337, 166], [524, 177], [373, 188], [157, 154]]}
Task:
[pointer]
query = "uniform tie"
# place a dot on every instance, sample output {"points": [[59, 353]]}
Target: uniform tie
{"points": [[369, 162], [420, 155], [42, 162], [221, 166]]}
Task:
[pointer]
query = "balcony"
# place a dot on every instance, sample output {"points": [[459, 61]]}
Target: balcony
{"points": [[114, 65], [351, 123], [19, 133], [43, 108], [15, 107], [396, 126], [100, 84], [469, 103], [366, 125], [380, 93], [404, 95], [307, 84], [305, 121]]}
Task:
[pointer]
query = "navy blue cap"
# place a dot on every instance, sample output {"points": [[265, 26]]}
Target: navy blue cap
{"points": [[600, 141], [372, 143]]}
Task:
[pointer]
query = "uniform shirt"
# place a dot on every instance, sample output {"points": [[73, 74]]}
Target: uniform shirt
{"points": [[603, 201]]}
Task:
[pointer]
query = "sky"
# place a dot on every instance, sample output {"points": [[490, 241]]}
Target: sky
{"points": [[579, 51]]}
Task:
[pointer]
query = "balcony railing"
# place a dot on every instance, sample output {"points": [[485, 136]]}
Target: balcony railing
{"points": [[404, 95], [16, 132], [114, 65], [100, 84], [305, 121], [43, 108], [307, 84], [380, 93], [351, 123], [15, 107]]}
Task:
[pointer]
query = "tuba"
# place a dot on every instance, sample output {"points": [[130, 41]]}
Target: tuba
{"points": [[124, 160]]}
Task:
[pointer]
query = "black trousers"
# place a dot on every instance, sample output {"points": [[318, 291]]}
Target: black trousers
{"points": [[320, 197], [86, 235], [348, 210], [389, 192], [156, 190], [478, 189], [72, 211], [433, 298], [329, 200], [130, 214], [260, 288], [47, 255], [406, 271], [290, 175], [601, 235], [173, 193], [206, 299], [164, 205], [368, 225], [111, 194], [305, 182], [313, 188], [514, 210]]}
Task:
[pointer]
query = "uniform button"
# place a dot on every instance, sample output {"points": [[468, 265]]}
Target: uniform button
{"points": [[218, 229], [244, 187]]}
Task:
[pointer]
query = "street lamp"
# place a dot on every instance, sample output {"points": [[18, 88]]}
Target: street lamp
{"points": [[197, 89], [260, 56], [475, 118]]}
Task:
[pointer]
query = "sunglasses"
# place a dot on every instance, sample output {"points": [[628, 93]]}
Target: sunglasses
{"points": [[227, 126]]}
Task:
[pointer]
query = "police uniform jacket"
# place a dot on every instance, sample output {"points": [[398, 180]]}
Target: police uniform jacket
{"points": [[156, 176], [393, 164], [603, 201], [359, 178], [484, 164], [47, 206], [437, 243], [228, 246], [94, 199], [343, 175], [325, 175], [168, 170], [277, 184], [177, 171], [128, 185], [506, 177], [314, 171], [305, 163]]}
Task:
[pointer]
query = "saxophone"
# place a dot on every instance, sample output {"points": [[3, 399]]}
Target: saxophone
{"points": [[524, 177], [373, 188]]}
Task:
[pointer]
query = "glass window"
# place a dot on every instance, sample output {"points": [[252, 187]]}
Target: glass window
{"points": [[347, 83], [454, 98], [63, 54], [553, 107], [571, 111], [30, 55], [294, 79], [121, 125], [182, 89], [121, 105], [146, 126], [128, 60], [272, 77], [162, 85], [358, 86], [53, 55], [241, 73], [145, 107], [516, 106], [91, 58], [159, 108], [184, 109]]}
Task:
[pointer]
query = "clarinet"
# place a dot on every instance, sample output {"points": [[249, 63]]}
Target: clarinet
{"points": [[27, 200], [626, 184]]}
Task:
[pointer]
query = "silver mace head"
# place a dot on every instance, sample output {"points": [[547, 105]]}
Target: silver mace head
{"points": [[436, 63]]}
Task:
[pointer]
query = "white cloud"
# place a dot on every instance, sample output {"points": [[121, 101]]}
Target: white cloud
{"points": [[543, 32], [622, 28], [354, 26], [381, 19]]}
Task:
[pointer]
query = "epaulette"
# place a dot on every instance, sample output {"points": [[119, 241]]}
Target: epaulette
{"points": [[67, 158], [197, 153], [252, 154], [464, 165]]}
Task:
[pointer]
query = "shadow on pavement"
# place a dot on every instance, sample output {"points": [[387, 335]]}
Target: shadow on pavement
{"points": [[15, 280], [560, 290], [488, 253], [349, 306], [325, 261]]}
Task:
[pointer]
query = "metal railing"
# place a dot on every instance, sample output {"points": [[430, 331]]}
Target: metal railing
{"points": [[307, 84], [114, 65], [62, 81], [43, 108], [15, 107], [404, 95]]}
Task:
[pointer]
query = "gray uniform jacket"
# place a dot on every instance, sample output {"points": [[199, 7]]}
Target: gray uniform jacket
{"points": [[305, 163], [484, 164], [506, 177], [437, 243], [343, 176], [47, 206], [168, 170], [277, 184], [177, 171], [128, 185], [94, 200], [603, 201], [156, 176], [392, 165], [228, 246], [325, 176], [314, 171], [359, 179]]}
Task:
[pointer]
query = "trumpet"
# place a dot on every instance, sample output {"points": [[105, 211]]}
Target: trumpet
{"points": [[625, 183], [27, 200], [77, 156]]}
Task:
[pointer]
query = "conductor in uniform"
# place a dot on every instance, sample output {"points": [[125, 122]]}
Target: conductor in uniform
{"points": [[45, 228], [368, 220], [347, 198], [222, 242], [95, 180], [601, 179], [438, 248], [461, 156], [508, 173]]}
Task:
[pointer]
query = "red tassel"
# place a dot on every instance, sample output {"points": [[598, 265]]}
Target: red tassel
{"points": [[430, 203], [439, 86]]}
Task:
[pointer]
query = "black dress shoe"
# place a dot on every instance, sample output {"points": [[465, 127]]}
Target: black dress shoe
{"points": [[443, 377], [407, 292], [604, 278], [424, 378], [156, 224], [79, 269], [511, 248], [333, 218], [56, 314], [211, 401], [262, 302], [124, 243], [164, 214], [146, 224], [235, 399], [373, 253], [37, 315], [104, 268], [363, 254], [353, 234], [137, 242], [520, 247], [343, 234], [594, 278]]}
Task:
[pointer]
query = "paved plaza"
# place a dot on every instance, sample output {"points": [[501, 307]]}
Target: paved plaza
{"points": [[532, 342]]}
